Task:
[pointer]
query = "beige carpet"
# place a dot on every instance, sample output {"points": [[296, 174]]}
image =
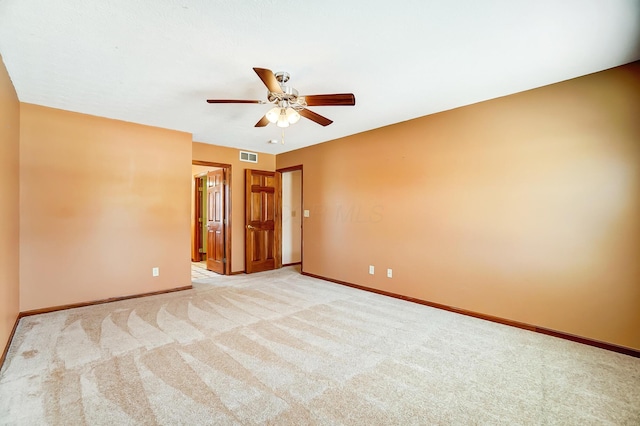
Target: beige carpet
{"points": [[281, 348]]}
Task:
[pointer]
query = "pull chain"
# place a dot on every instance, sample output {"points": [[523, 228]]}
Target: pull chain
{"points": [[283, 136]]}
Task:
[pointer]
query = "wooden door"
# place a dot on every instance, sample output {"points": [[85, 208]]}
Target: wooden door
{"points": [[215, 221], [263, 221]]}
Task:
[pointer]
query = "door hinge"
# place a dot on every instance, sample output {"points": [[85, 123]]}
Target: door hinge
{"points": [[224, 260], [200, 219], [200, 188]]}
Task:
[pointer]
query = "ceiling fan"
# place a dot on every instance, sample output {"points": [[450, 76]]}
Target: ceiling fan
{"points": [[289, 105]]}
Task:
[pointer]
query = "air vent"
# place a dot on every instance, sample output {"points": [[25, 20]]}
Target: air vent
{"points": [[249, 157]]}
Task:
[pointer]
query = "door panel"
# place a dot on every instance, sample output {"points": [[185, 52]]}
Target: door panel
{"points": [[263, 221], [215, 222]]}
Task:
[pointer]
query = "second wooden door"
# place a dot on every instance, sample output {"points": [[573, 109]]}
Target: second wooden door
{"points": [[263, 221], [216, 257]]}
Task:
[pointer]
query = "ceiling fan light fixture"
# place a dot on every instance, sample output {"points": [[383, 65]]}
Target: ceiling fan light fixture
{"points": [[292, 116], [273, 114], [283, 120]]}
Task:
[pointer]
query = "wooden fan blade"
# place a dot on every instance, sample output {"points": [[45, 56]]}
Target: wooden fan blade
{"points": [[263, 122], [269, 79], [329, 100], [323, 121], [232, 101]]}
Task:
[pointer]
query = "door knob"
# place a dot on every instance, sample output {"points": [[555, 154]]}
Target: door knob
{"points": [[251, 227]]}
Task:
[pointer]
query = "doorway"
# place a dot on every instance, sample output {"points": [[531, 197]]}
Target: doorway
{"points": [[292, 215], [199, 213], [211, 213]]}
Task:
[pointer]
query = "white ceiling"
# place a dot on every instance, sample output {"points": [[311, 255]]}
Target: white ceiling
{"points": [[155, 62]]}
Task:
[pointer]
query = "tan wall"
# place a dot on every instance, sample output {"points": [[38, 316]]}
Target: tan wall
{"points": [[9, 206], [102, 202], [525, 207], [219, 154]]}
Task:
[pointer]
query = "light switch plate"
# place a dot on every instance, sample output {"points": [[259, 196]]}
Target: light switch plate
{"points": [[306, 213]]}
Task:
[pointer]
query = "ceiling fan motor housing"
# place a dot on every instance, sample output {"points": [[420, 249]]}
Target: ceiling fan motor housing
{"points": [[288, 95]]}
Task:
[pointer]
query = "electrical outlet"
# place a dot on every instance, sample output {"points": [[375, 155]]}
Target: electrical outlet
{"points": [[371, 269], [306, 213], [155, 272], [389, 273]]}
